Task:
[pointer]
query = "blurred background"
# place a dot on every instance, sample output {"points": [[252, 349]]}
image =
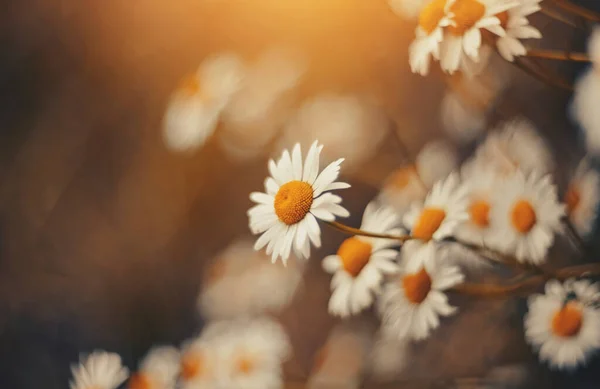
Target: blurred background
{"points": [[106, 235]]}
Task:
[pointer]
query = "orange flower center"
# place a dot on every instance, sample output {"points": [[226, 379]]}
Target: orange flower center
{"points": [[320, 358], [479, 212], [466, 14], [293, 201], [189, 85], [431, 14], [216, 271], [416, 286], [355, 255], [572, 198], [430, 220], [191, 366], [503, 17], [523, 216], [402, 177], [567, 322], [139, 381], [245, 365]]}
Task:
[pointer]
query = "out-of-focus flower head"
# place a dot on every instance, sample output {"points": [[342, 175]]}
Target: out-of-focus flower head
{"points": [[407, 9], [296, 196], [583, 197], [403, 187], [158, 370], [362, 262], [100, 370], [436, 161], [243, 281]]}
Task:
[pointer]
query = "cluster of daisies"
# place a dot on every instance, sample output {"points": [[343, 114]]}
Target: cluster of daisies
{"points": [[502, 199], [237, 354], [455, 32]]}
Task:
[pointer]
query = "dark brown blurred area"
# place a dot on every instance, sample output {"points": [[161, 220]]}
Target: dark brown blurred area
{"points": [[105, 234]]}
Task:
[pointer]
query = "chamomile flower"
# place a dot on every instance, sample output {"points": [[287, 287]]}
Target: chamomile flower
{"points": [[241, 282], [408, 9], [99, 370], [412, 303], [564, 323], [195, 106], [525, 216], [361, 263], [516, 25], [200, 359], [444, 209], [463, 35], [461, 120], [433, 18], [296, 196], [388, 358], [587, 94], [403, 187], [583, 197], [481, 185], [436, 160], [158, 370], [252, 355]]}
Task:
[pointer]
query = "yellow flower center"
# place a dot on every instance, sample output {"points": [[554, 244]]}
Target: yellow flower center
{"points": [[417, 286], [189, 85], [245, 365], [293, 201], [572, 198], [567, 322], [479, 212], [402, 177], [523, 216], [191, 366], [355, 255], [429, 221], [431, 14], [139, 381], [466, 14]]}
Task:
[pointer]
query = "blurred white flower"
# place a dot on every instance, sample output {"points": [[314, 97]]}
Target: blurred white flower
{"points": [[345, 124], [586, 96], [411, 304], [158, 370], [433, 18], [242, 281], [444, 209], [436, 161], [481, 185], [99, 370], [463, 122], [517, 27], [296, 196], [361, 263], [514, 146], [564, 323], [341, 361], [402, 188], [408, 9], [200, 359], [583, 197], [525, 216], [388, 358], [193, 111]]}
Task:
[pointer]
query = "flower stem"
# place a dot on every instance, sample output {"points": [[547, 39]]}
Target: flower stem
{"points": [[558, 17], [541, 74], [557, 55], [356, 231], [577, 10]]}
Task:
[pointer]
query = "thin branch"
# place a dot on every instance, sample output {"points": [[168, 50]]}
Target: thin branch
{"points": [[542, 76], [574, 236], [557, 55], [356, 231], [558, 17], [578, 10]]}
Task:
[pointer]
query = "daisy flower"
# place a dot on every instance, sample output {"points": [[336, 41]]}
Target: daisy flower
{"points": [[582, 198], [525, 216], [587, 94], [436, 161], [194, 108], [296, 196], [564, 323], [444, 209], [252, 355], [408, 9], [158, 370], [516, 25], [200, 359], [362, 262], [462, 121], [481, 186], [411, 304], [463, 35], [429, 34], [403, 187], [99, 370], [241, 282], [514, 146], [388, 358]]}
